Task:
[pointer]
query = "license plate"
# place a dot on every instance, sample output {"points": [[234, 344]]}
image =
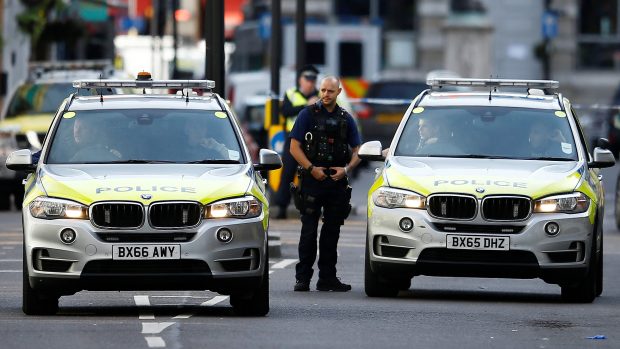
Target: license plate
{"points": [[146, 252], [478, 242]]}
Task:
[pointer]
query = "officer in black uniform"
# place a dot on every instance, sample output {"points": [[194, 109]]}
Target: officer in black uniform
{"points": [[295, 100], [324, 141]]}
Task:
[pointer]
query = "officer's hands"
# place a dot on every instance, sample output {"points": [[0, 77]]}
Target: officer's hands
{"points": [[318, 173], [337, 173]]}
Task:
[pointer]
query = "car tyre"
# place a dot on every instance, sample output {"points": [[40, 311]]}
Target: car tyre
{"points": [[35, 302], [599, 273], [586, 290], [617, 203], [373, 285], [257, 304]]}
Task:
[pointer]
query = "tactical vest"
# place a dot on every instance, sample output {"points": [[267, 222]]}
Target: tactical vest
{"points": [[326, 143], [297, 100]]}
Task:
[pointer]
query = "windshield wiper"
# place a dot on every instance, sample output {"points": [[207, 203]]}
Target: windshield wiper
{"points": [[220, 161], [136, 161], [550, 158]]}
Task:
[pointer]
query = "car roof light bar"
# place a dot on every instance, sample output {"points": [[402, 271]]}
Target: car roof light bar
{"points": [[540, 84], [152, 84]]}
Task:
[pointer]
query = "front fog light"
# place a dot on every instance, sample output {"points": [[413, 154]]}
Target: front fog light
{"points": [[552, 229], [67, 236], [406, 224], [224, 235]]}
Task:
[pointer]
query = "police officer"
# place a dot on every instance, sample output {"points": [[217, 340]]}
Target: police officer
{"points": [[295, 99], [324, 141]]}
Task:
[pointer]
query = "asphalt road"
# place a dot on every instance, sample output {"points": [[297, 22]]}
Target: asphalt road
{"points": [[435, 312]]}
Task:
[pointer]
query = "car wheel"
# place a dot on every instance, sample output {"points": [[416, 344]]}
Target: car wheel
{"points": [[585, 291], [599, 274], [35, 302], [617, 203], [256, 304], [373, 285]]}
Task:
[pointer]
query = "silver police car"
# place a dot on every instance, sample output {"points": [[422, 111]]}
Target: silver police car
{"points": [[145, 192], [487, 184]]}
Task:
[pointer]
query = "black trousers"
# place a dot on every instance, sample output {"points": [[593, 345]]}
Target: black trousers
{"points": [[289, 169], [332, 202]]}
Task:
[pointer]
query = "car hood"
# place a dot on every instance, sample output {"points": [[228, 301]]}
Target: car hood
{"points": [[131, 182], [482, 177], [38, 123]]}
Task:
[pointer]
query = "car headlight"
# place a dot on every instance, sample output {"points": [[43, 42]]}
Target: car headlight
{"points": [[393, 198], [245, 207], [568, 203], [51, 208]]}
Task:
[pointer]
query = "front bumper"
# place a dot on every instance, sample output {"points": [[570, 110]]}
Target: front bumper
{"points": [[532, 253], [87, 264]]}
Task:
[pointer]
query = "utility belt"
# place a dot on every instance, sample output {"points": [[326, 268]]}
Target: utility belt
{"points": [[306, 201]]}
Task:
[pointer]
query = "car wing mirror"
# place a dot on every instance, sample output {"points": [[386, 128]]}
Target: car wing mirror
{"points": [[371, 151], [268, 160], [21, 160], [602, 158]]}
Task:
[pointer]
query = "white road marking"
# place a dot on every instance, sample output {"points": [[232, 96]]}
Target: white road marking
{"points": [[10, 271], [214, 301], [211, 302], [173, 296], [143, 301], [155, 342], [155, 327], [283, 263]]}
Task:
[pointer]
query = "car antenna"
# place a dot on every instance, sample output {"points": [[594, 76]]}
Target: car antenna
{"points": [[100, 90]]}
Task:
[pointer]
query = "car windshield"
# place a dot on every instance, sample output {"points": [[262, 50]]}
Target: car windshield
{"points": [[44, 98], [145, 136], [483, 132]]}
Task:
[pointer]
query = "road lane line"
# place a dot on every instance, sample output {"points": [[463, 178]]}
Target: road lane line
{"points": [[143, 301], [211, 302], [214, 301], [155, 327], [10, 260], [10, 271], [155, 342], [283, 263]]}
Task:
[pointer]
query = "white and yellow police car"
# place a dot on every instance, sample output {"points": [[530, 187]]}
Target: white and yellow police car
{"points": [[487, 184], [145, 192]]}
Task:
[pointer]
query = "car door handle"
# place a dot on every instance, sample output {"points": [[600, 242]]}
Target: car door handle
{"points": [[600, 177]]}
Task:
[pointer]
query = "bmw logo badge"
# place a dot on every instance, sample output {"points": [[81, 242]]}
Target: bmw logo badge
{"points": [[480, 190], [146, 196]]}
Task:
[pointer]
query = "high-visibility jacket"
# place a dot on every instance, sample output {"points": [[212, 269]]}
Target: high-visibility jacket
{"points": [[297, 99]]}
